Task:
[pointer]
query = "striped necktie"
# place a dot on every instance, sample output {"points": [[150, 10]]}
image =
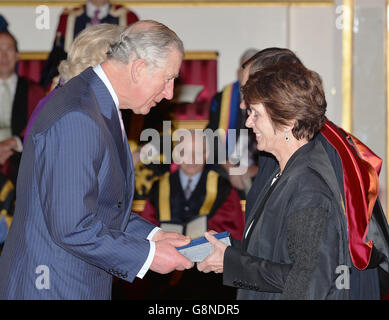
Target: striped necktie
{"points": [[188, 190], [95, 19]]}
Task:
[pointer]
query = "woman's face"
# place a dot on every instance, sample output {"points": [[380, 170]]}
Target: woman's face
{"points": [[268, 138]]}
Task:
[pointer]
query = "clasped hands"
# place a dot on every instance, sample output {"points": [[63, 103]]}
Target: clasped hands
{"points": [[168, 259]]}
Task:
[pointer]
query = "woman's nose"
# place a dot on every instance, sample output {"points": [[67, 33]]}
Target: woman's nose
{"points": [[249, 122]]}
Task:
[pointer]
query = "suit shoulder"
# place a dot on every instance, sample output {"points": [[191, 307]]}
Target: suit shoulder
{"points": [[308, 177], [307, 188], [71, 93], [65, 100]]}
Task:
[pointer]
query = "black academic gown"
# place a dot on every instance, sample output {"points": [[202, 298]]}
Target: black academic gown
{"points": [[364, 284], [298, 235]]}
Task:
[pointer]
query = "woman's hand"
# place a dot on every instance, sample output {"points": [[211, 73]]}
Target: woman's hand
{"points": [[214, 262]]}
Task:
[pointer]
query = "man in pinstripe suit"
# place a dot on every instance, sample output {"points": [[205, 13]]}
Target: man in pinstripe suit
{"points": [[73, 227]]}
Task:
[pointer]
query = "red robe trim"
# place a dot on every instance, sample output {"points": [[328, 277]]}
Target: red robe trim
{"points": [[361, 168], [126, 17]]}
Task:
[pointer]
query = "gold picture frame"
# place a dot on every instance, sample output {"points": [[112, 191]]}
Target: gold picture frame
{"points": [[174, 3]]}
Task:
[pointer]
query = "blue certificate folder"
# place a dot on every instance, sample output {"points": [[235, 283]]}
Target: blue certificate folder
{"points": [[197, 250]]}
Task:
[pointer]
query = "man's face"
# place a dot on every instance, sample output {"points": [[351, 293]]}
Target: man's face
{"points": [[98, 3], [157, 84], [195, 159], [8, 56]]}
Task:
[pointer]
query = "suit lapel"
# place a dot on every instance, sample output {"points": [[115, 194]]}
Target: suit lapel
{"points": [[109, 112], [113, 125], [255, 211], [254, 208], [130, 165]]}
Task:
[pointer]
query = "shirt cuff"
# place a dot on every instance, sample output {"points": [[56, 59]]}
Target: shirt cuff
{"points": [[19, 148], [152, 233], [150, 257]]}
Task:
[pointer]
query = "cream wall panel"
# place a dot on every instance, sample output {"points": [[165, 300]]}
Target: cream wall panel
{"points": [[312, 37], [22, 23], [369, 87], [228, 30]]}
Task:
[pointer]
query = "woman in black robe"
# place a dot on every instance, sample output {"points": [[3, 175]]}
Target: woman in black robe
{"points": [[295, 242]]}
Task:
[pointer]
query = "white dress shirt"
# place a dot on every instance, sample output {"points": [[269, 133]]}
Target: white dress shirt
{"points": [[184, 180], [6, 110], [101, 74], [91, 8]]}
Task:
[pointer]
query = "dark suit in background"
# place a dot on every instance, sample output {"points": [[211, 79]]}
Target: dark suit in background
{"points": [[71, 23], [26, 97]]}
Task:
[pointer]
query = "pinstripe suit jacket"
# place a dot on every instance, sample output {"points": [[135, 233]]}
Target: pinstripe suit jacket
{"points": [[73, 228]]}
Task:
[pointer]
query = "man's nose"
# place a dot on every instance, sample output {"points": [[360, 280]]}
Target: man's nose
{"points": [[169, 90], [3, 54]]}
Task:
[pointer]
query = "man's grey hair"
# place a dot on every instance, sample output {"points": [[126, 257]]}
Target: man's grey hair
{"points": [[148, 40]]}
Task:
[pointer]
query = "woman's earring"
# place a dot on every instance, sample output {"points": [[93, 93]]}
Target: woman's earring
{"points": [[286, 136]]}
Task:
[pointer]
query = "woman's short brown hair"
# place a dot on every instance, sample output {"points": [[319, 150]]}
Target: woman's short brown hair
{"points": [[289, 92]]}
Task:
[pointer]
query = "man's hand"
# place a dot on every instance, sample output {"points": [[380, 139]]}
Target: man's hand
{"points": [[4, 156], [167, 258], [214, 262], [6, 149], [162, 235]]}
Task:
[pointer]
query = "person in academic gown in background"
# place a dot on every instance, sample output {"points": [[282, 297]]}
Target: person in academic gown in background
{"points": [[225, 114], [73, 21], [356, 168], [3, 24], [193, 194], [18, 98]]}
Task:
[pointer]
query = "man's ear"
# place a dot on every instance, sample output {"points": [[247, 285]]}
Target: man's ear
{"points": [[138, 70]]}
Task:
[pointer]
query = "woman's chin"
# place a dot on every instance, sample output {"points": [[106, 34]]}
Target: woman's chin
{"points": [[260, 147]]}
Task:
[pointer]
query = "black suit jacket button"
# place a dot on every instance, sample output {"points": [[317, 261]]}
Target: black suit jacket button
{"points": [[119, 204]]}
